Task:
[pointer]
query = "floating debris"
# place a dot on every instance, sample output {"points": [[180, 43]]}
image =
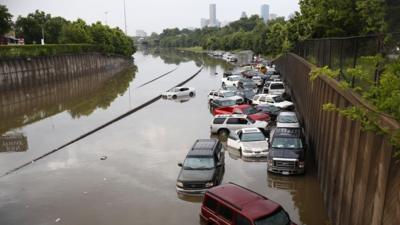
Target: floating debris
{"points": [[58, 220], [103, 158]]}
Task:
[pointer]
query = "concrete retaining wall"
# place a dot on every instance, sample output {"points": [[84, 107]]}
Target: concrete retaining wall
{"points": [[29, 72], [358, 175]]}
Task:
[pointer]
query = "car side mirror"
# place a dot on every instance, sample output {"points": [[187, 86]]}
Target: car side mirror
{"points": [[180, 164]]}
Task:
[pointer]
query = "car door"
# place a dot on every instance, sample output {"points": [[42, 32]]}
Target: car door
{"points": [[233, 140], [233, 124]]}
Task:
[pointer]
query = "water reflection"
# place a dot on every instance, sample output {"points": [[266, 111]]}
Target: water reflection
{"points": [[171, 56], [79, 96]]}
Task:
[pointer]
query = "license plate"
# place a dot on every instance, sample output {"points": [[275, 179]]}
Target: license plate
{"points": [[285, 173]]}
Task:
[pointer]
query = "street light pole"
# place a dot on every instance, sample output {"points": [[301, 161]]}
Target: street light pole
{"points": [[125, 16]]}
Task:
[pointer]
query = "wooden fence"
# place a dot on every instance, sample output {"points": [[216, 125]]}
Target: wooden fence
{"points": [[359, 177]]}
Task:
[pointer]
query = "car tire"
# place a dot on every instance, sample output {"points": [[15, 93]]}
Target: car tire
{"points": [[223, 132], [174, 96], [223, 85], [191, 94]]}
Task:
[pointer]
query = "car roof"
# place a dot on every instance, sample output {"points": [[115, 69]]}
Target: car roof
{"points": [[287, 114], [267, 95], [231, 116], [203, 147], [250, 130], [276, 82], [288, 132], [251, 204]]}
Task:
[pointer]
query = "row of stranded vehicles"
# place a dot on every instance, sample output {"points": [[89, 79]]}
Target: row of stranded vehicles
{"points": [[258, 122]]}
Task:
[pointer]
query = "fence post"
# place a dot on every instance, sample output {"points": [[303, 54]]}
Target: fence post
{"points": [[354, 61], [341, 59]]}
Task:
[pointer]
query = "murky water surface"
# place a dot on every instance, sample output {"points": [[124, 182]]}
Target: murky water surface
{"points": [[136, 183]]}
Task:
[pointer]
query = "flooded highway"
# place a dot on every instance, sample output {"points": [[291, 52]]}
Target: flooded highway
{"points": [[135, 181]]}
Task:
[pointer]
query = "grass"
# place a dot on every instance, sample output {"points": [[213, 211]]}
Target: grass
{"points": [[196, 49], [12, 51]]}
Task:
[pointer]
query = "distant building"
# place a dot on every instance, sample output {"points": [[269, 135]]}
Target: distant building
{"points": [[212, 21], [244, 15], [141, 33], [213, 15], [265, 12], [273, 16], [204, 22]]}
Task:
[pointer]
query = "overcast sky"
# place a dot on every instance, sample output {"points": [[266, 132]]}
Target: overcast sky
{"points": [[149, 15]]}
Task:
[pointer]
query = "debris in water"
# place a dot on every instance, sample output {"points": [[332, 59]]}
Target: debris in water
{"points": [[58, 220], [103, 157]]}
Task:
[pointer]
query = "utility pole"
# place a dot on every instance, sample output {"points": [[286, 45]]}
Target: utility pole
{"points": [[125, 17]]}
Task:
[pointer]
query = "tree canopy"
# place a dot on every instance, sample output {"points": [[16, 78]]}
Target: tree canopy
{"points": [[5, 20]]}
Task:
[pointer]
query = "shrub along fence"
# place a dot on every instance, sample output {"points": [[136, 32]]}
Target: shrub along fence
{"points": [[358, 173]]}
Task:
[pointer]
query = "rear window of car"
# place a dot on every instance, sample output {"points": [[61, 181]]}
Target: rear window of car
{"points": [[219, 120], [225, 212], [210, 203], [277, 86]]}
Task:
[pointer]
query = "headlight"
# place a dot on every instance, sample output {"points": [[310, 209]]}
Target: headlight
{"points": [[270, 162], [179, 184], [209, 184], [301, 164]]}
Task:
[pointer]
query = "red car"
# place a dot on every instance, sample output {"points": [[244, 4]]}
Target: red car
{"points": [[230, 204], [248, 110]]}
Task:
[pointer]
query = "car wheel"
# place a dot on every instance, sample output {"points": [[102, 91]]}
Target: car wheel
{"points": [[223, 85], [223, 132], [191, 94], [174, 96]]}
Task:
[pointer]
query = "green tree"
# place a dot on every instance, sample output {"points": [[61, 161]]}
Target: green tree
{"points": [[54, 28], [75, 32], [5, 20], [30, 27]]}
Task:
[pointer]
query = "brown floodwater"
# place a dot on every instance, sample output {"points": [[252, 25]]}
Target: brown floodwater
{"points": [[136, 182]]}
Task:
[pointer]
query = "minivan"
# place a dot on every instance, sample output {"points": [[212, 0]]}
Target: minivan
{"points": [[231, 204]]}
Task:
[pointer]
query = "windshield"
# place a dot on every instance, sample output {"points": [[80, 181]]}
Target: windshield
{"points": [[287, 119], [198, 163], [278, 99], [247, 137], [277, 86], [227, 103], [281, 142], [229, 94], [279, 218], [234, 78], [250, 110]]}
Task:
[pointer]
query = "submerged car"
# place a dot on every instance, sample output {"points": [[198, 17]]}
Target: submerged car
{"points": [[218, 103], [203, 167], [230, 204], [275, 100], [179, 92], [287, 119], [245, 109], [251, 142], [224, 124], [287, 152]]}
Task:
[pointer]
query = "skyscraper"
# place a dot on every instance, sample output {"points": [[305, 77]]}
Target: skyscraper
{"points": [[213, 15], [265, 12]]}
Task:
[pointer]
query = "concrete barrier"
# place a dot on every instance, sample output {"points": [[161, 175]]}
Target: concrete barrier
{"points": [[359, 177], [28, 72]]}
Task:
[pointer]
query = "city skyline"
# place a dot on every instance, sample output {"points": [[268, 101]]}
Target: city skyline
{"points": [[151, 15]]}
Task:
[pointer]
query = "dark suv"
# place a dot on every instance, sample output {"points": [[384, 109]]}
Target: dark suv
{"points": [[203, 167], [231, 204], [287, 151]]}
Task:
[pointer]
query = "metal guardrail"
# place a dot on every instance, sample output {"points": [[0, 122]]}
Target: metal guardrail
{"points": [[347, 52]]}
